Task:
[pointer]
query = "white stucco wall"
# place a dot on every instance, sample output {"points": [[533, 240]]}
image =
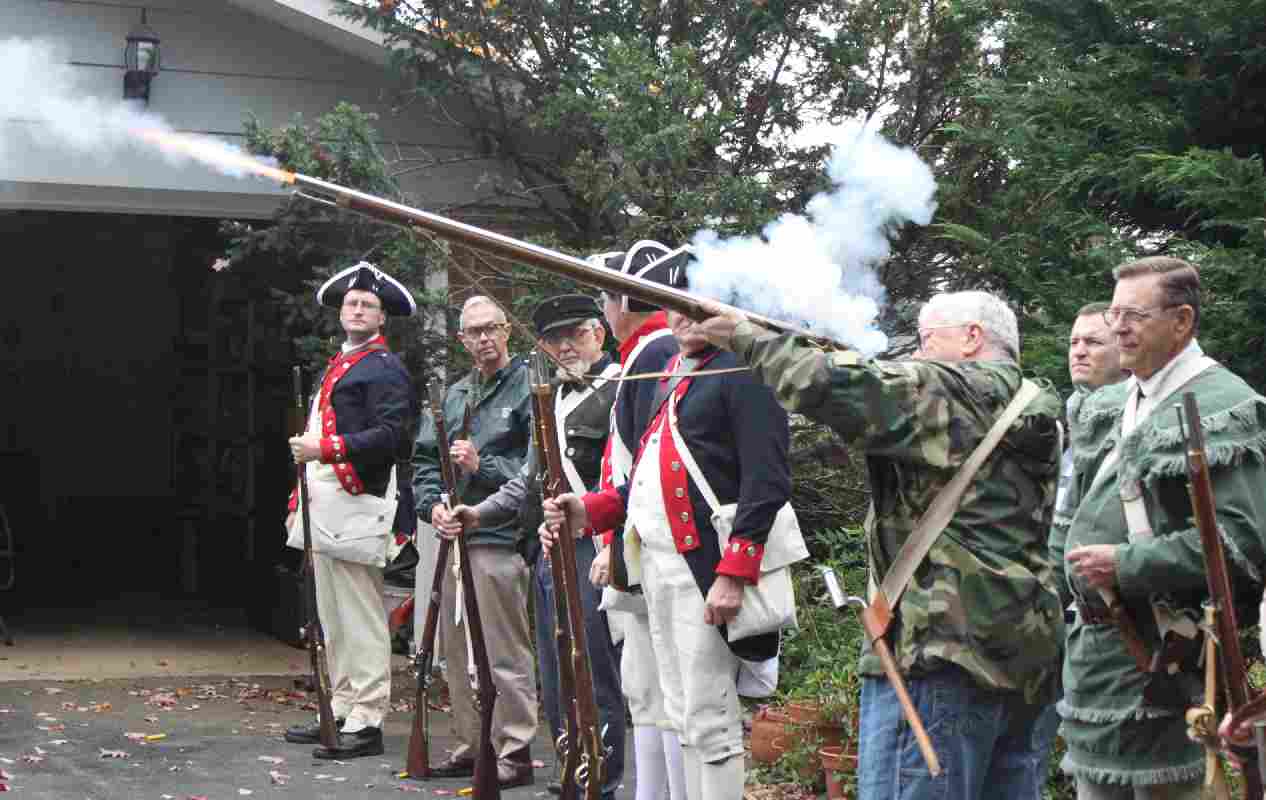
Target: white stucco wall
{"points": [[220, 60]]}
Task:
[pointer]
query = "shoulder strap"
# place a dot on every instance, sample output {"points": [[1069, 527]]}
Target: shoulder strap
{"points": [[945, 504]]}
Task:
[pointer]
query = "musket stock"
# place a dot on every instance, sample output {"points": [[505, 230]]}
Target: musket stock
{"points": [[313, 633], [1221, 598], [517, 250], [590, 772], [485, 691]]}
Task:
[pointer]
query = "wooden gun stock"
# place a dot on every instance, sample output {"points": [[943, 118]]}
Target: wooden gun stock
{"points": [[1204, 509], [313, 633], [591, 770], [567, 745]]}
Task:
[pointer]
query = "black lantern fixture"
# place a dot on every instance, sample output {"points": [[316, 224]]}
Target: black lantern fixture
{"points": [[140, 57]]}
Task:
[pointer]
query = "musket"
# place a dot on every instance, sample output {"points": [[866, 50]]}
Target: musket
{"points": [[418, 763], [567, 745], [1221, 598], [881, 649], [578, 269], [486, 787], [312, 632], [591, 770]]}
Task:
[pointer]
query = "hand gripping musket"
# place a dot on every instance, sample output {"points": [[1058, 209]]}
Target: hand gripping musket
{"points": [[1221, 599], [880, 645], [486, 786], [552, 261], [312, 632], [590, 772], [418, 764]]}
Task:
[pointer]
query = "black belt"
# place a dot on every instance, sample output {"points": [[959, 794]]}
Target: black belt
{"points": [[1093, 615]]}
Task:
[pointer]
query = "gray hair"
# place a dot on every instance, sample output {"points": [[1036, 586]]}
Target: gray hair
{"points": [[982, 308], [480, 300]]}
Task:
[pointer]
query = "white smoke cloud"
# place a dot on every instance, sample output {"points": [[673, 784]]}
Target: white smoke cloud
{"points": [[40, 90], [818, 270]]}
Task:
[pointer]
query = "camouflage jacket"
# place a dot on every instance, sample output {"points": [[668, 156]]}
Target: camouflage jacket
{"points": [[1121, 725], [985, 598]]}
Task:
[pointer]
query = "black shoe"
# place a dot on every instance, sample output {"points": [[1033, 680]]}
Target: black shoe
{"points": [[364, 742], [464, 768], [554, 787], [514, 773], [309, 733]]}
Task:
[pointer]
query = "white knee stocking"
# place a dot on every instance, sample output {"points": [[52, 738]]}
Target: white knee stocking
{"points": [[649, 764], [676, 766], [694, 773]]}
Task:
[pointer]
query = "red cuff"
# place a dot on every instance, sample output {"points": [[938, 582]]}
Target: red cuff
{"points": [[293, 503], [333, 450], [741, 559], [605, 509], [607, 538]]}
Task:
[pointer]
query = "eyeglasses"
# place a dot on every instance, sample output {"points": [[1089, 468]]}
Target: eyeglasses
{"points": [[571, 333], [1133, 316], [925, 333], [491, 330], [368, 305]]}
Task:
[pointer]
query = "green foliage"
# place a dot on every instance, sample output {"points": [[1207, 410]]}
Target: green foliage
{"points": [[307, 241]]}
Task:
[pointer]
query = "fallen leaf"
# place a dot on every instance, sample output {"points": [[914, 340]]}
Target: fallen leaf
{"points": [[32, 759], [113, 753], [5, 776], [4, 787], [39, 751], [272, 759], [152, 720], [155, 737], [245, 792], [59, 741], [53, 690], [538, 764], [135, 737], [278, 778]]}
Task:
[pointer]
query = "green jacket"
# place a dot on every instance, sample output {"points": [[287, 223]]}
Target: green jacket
{"points": [[985, 597], [501, 430], [1122, 725]]}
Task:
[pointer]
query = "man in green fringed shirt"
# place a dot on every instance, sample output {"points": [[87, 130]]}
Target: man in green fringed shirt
{"points": [[978, 633], [1127, 532]]}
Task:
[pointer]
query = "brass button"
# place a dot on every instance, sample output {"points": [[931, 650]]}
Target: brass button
{"points": [[751, 551], [685, 517], [689, 540], [676, 466], [571, 451], [680, 492]]}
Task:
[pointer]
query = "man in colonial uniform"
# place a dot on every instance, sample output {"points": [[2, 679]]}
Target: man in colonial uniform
{"points": [[356, 434], [646, 346], [1131, 536], [714, 456], [489, 454], [568, 328], [977, 633]]}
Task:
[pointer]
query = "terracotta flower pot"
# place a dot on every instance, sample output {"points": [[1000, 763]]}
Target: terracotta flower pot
{"points": [[770, 735], [809, 714], [837, 764]]}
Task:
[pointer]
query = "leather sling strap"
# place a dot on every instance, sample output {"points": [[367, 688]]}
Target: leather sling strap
{"points": [[885, 597]]}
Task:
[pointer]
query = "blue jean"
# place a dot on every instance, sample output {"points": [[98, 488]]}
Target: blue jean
{"points": [[990, 744], [604, 662]]}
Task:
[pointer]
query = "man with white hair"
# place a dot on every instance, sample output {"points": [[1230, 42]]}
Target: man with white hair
{"points": [[498, 396], [977, 632]]}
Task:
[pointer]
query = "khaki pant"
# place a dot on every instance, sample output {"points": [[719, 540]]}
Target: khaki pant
{"points": [[501, 588], [358, 649]]}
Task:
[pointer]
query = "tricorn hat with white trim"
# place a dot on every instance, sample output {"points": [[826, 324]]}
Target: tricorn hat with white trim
{"points": [[670, 270], [396, 300], [634, 262]]}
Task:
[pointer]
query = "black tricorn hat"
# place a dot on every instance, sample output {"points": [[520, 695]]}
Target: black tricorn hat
{"points": [[634, 262], [396, 300], [565, 309], [670, 270]]}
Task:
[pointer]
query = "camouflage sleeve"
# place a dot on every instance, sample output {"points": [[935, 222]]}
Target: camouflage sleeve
{"points": [[870, 402]]}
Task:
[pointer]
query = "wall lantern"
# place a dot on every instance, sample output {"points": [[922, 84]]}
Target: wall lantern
{"points": [[140, 57]]}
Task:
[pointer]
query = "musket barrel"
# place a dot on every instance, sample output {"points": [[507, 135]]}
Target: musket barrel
{"points": [[552, 261]]}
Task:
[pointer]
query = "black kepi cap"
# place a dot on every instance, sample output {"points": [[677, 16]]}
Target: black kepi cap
{"points": [[565, 309], [396, 300]]}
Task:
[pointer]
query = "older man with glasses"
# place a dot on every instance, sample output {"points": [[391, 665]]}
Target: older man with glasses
{"points": [[570, 331], [492, 452], [1131, 537]]}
